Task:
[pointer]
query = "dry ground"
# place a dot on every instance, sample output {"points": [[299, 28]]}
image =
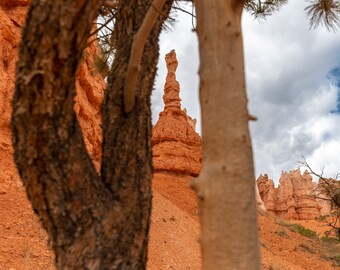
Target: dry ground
{"points": [[174, 242]]}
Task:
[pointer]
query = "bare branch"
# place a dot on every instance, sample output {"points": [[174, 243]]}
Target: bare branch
{"points": [[102, 25], [261, 9], [330, 188], [184, 11]]}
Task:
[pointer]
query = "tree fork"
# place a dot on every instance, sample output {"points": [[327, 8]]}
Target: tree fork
{"points": [[93, 222]]}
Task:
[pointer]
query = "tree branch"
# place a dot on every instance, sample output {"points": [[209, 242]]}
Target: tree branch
{"points": [[137, 49]]}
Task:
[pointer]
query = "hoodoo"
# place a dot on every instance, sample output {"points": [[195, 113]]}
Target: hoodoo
{"points": [[175, 143], [294, 198]]}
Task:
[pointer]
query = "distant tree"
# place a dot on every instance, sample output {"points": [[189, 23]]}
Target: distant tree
{"points": [[328, 189]]}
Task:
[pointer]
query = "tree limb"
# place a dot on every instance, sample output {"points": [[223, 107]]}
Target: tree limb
{"points": [[137, 49]]}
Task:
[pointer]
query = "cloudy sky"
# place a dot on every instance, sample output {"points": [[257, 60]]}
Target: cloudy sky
{"points": [[293, 82]]}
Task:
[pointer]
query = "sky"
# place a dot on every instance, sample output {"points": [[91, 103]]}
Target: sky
{"points": [[293, 86]]}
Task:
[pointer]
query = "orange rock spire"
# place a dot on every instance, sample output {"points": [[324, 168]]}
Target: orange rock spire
{"points": [[171, 88], [176, 145]]}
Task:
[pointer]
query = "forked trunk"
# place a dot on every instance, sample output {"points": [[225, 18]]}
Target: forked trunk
{"points": [[93, 221], [225, 187]]}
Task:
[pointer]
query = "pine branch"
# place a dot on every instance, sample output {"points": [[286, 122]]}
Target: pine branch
{"points": [[325, 13]]}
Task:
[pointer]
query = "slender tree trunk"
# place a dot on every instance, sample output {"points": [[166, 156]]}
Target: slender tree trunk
{"points": [[93, 221], [225, 186]]}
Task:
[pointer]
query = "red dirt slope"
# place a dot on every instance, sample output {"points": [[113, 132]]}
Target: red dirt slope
{"points": [[174, 236]]}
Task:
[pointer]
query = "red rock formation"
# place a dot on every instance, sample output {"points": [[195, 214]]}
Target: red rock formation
{"points": [[10, 30], [176, 145], [90, 84], [90, 87], [294, 198], [267, 192]]}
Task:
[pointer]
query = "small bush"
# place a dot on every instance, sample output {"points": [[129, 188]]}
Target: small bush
{"points": [[281, 233], [298, 228], [302, 230], [334, 259], [322, 218], [330, 240], [275, 267], [306, 249]]}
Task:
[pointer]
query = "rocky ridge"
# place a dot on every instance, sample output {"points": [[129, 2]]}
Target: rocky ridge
{"points": [[294, 198]]}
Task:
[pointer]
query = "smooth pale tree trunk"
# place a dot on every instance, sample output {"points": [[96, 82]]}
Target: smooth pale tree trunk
{"points": [[225, 187], [95, 222]]}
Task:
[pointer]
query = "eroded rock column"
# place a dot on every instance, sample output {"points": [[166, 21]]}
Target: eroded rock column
{"points": [[176, 145]]}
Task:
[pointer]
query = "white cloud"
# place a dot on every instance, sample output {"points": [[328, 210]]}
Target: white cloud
{"points": [[286, 69]]}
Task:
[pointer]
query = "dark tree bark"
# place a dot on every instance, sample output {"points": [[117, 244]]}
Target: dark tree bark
{"points": [[93, 222]]}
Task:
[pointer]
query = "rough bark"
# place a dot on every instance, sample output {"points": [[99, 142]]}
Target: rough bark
{"points": [[137, 49], [93, 222], [225, 186], [127, 156]]}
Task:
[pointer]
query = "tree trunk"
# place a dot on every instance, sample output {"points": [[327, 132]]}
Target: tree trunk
{"points": [[225, 186], [93, 221]]}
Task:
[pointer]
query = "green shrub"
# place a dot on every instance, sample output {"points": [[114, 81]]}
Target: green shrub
{"points": [[334, 259], [298, 228], [302, 230], [330, 240]]}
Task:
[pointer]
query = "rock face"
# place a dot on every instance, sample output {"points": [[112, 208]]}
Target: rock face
{"points": [[293, 198], [175, 143], [89, 85], [10, 30]]}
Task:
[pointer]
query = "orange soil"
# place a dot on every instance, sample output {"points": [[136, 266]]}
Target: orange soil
{"points": [[174, 236], [23, 243]]}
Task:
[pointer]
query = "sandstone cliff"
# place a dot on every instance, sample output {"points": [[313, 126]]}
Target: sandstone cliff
{"points": [[175, 143], [294, 198], [90, 87]]}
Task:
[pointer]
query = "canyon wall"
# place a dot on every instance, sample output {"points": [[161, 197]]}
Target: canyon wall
{"points": [[294, 198], [89, 84]]}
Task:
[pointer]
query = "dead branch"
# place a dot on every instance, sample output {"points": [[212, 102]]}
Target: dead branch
{"points": [[185, 11], [137, 49]]}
